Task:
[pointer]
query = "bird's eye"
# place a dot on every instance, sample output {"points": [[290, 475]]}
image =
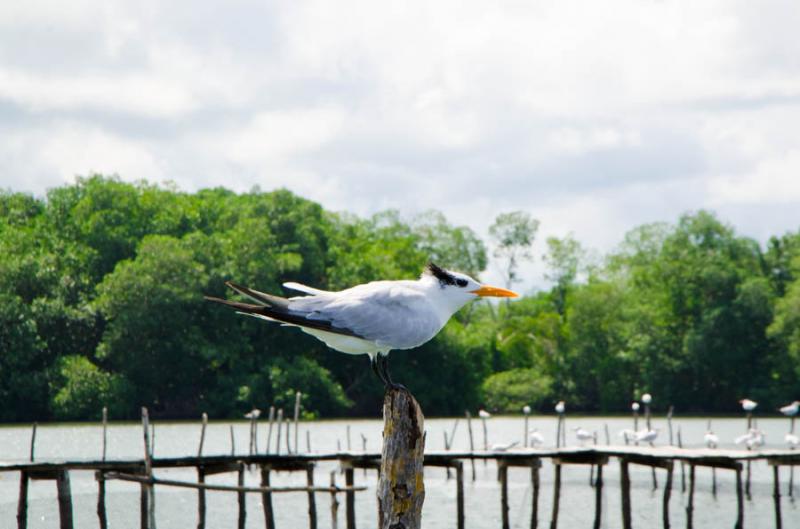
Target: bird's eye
{"points": [[461, 282]]}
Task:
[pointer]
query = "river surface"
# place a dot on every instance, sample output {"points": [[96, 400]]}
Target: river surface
{"points": [[177, 508]]}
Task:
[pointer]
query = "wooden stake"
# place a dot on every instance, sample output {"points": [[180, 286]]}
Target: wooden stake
{"points": [[266, 499], [308, 441], [65, 500], [241, 498], [296, 418], [556, 496], [201, 498], [502, 474], [269, 431], [401, 490], [101, 500], [739, 499], [460, 494], [776, 494], [471, 442], [625, 488], [683, 468], [279, 422], [233, 440], [690, 504], [348, 438], [667, 494], [202, 434], [608, 436], [33, 440], [334, 502], [105, 429], [669, 423], [312, 501], [525, 433], [350, 499], [148, 500], [288, 427], [598, 497], [535, 499], [22, 502]]}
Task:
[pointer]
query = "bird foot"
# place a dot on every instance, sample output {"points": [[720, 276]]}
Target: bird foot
{"points": [[395, 386]]}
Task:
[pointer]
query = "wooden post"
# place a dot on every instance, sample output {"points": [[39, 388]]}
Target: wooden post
{"points": [[460, 494], [233, 440], [690, 504], [22, 504], [288, 427], [350, 499], [625, 488], [266, 499], [105, 429], [667, 493], [558, 432], [608, 436], [598, 497], [401, 490], [312, 501], [308, 441], [201, 498], [502, 475], [241, 497], [535, 500], [556, 496], [776, 494], [683, 468], [471, 442], [525, 435], [202, 435], [297, 397], [349, 448], [669, 423], [279, 422], [739, 499], [334, 502], [485, 437], [64, 500], [269, 431], [149, 493], [33, 440], [101, 500]]}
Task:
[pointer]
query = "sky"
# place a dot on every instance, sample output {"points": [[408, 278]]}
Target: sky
{"points": [[594, 117]]}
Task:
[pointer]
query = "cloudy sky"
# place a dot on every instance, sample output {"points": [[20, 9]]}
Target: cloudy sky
{"points": [[592, 116]]}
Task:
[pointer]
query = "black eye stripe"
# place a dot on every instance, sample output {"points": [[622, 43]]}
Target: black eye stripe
{"points": [[461, 282]]}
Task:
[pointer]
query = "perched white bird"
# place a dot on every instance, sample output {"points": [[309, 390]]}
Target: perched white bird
{"points": [[255, 413], [791, 409], [483, 414], [627, 434], [753, 438], [536, 437], [502, 447], [635, 406], [560, 407], [748, 405], [373, 318], [711, 439], [647, 398], [647, 436], [792, 440], [583, 435], [526, 409]]}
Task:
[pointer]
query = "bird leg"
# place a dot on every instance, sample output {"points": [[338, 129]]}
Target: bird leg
{"points": [[373, 362], [383, 365]]}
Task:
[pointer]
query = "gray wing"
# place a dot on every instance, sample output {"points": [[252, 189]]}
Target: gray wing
{"points": [[391, 315]]}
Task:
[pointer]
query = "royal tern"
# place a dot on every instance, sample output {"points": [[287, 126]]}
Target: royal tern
{"points": [[635, 406], [503, 447], [711, 439], [792, 440], [748, 405], [483, 414], [584, 435], [255, 413], [791, 410], [647, 398], [647, 436], [373, 318], [753, 438], [536, 437], [526, 409], [560, 407]]}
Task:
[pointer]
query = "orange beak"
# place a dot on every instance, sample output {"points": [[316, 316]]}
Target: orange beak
{"points": [[494, 292]]}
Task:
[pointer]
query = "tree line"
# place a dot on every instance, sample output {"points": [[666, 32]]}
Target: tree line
{"points": [[101, 304]]}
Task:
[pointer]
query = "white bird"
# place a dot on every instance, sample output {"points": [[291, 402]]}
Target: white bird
{"points": [[711, 439], [791, 409], [647, 398], [502, 447], [560, 407], [583, 435], [373, 318], [647, 436], [635, 406], [526, 409], [536, 437], [748, 405], [255, 413], [753, 438], [792, 440], [483, 414]]}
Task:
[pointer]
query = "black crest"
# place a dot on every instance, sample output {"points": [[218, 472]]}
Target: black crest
{"points": [[444, 277]]}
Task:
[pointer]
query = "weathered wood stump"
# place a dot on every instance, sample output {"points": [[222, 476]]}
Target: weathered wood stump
{"points": [[400, 488]]}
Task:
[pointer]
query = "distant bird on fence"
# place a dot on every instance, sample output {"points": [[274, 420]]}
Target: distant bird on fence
{"points": [[792, 440], [748, 405], [584, 435], [790, 410], [711, 439], [483, 414], [373, 318], [255, 413], [526, 409], [635, 407], [752, 439], [560, 407], [647, 436], [536, 437], [502, 447]]}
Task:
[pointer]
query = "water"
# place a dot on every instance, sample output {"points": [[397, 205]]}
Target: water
{"points": [[177, 508]]}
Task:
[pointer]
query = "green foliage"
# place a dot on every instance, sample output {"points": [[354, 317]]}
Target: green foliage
{"points": [[509, 391], [81, 389], [101, 287]]}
